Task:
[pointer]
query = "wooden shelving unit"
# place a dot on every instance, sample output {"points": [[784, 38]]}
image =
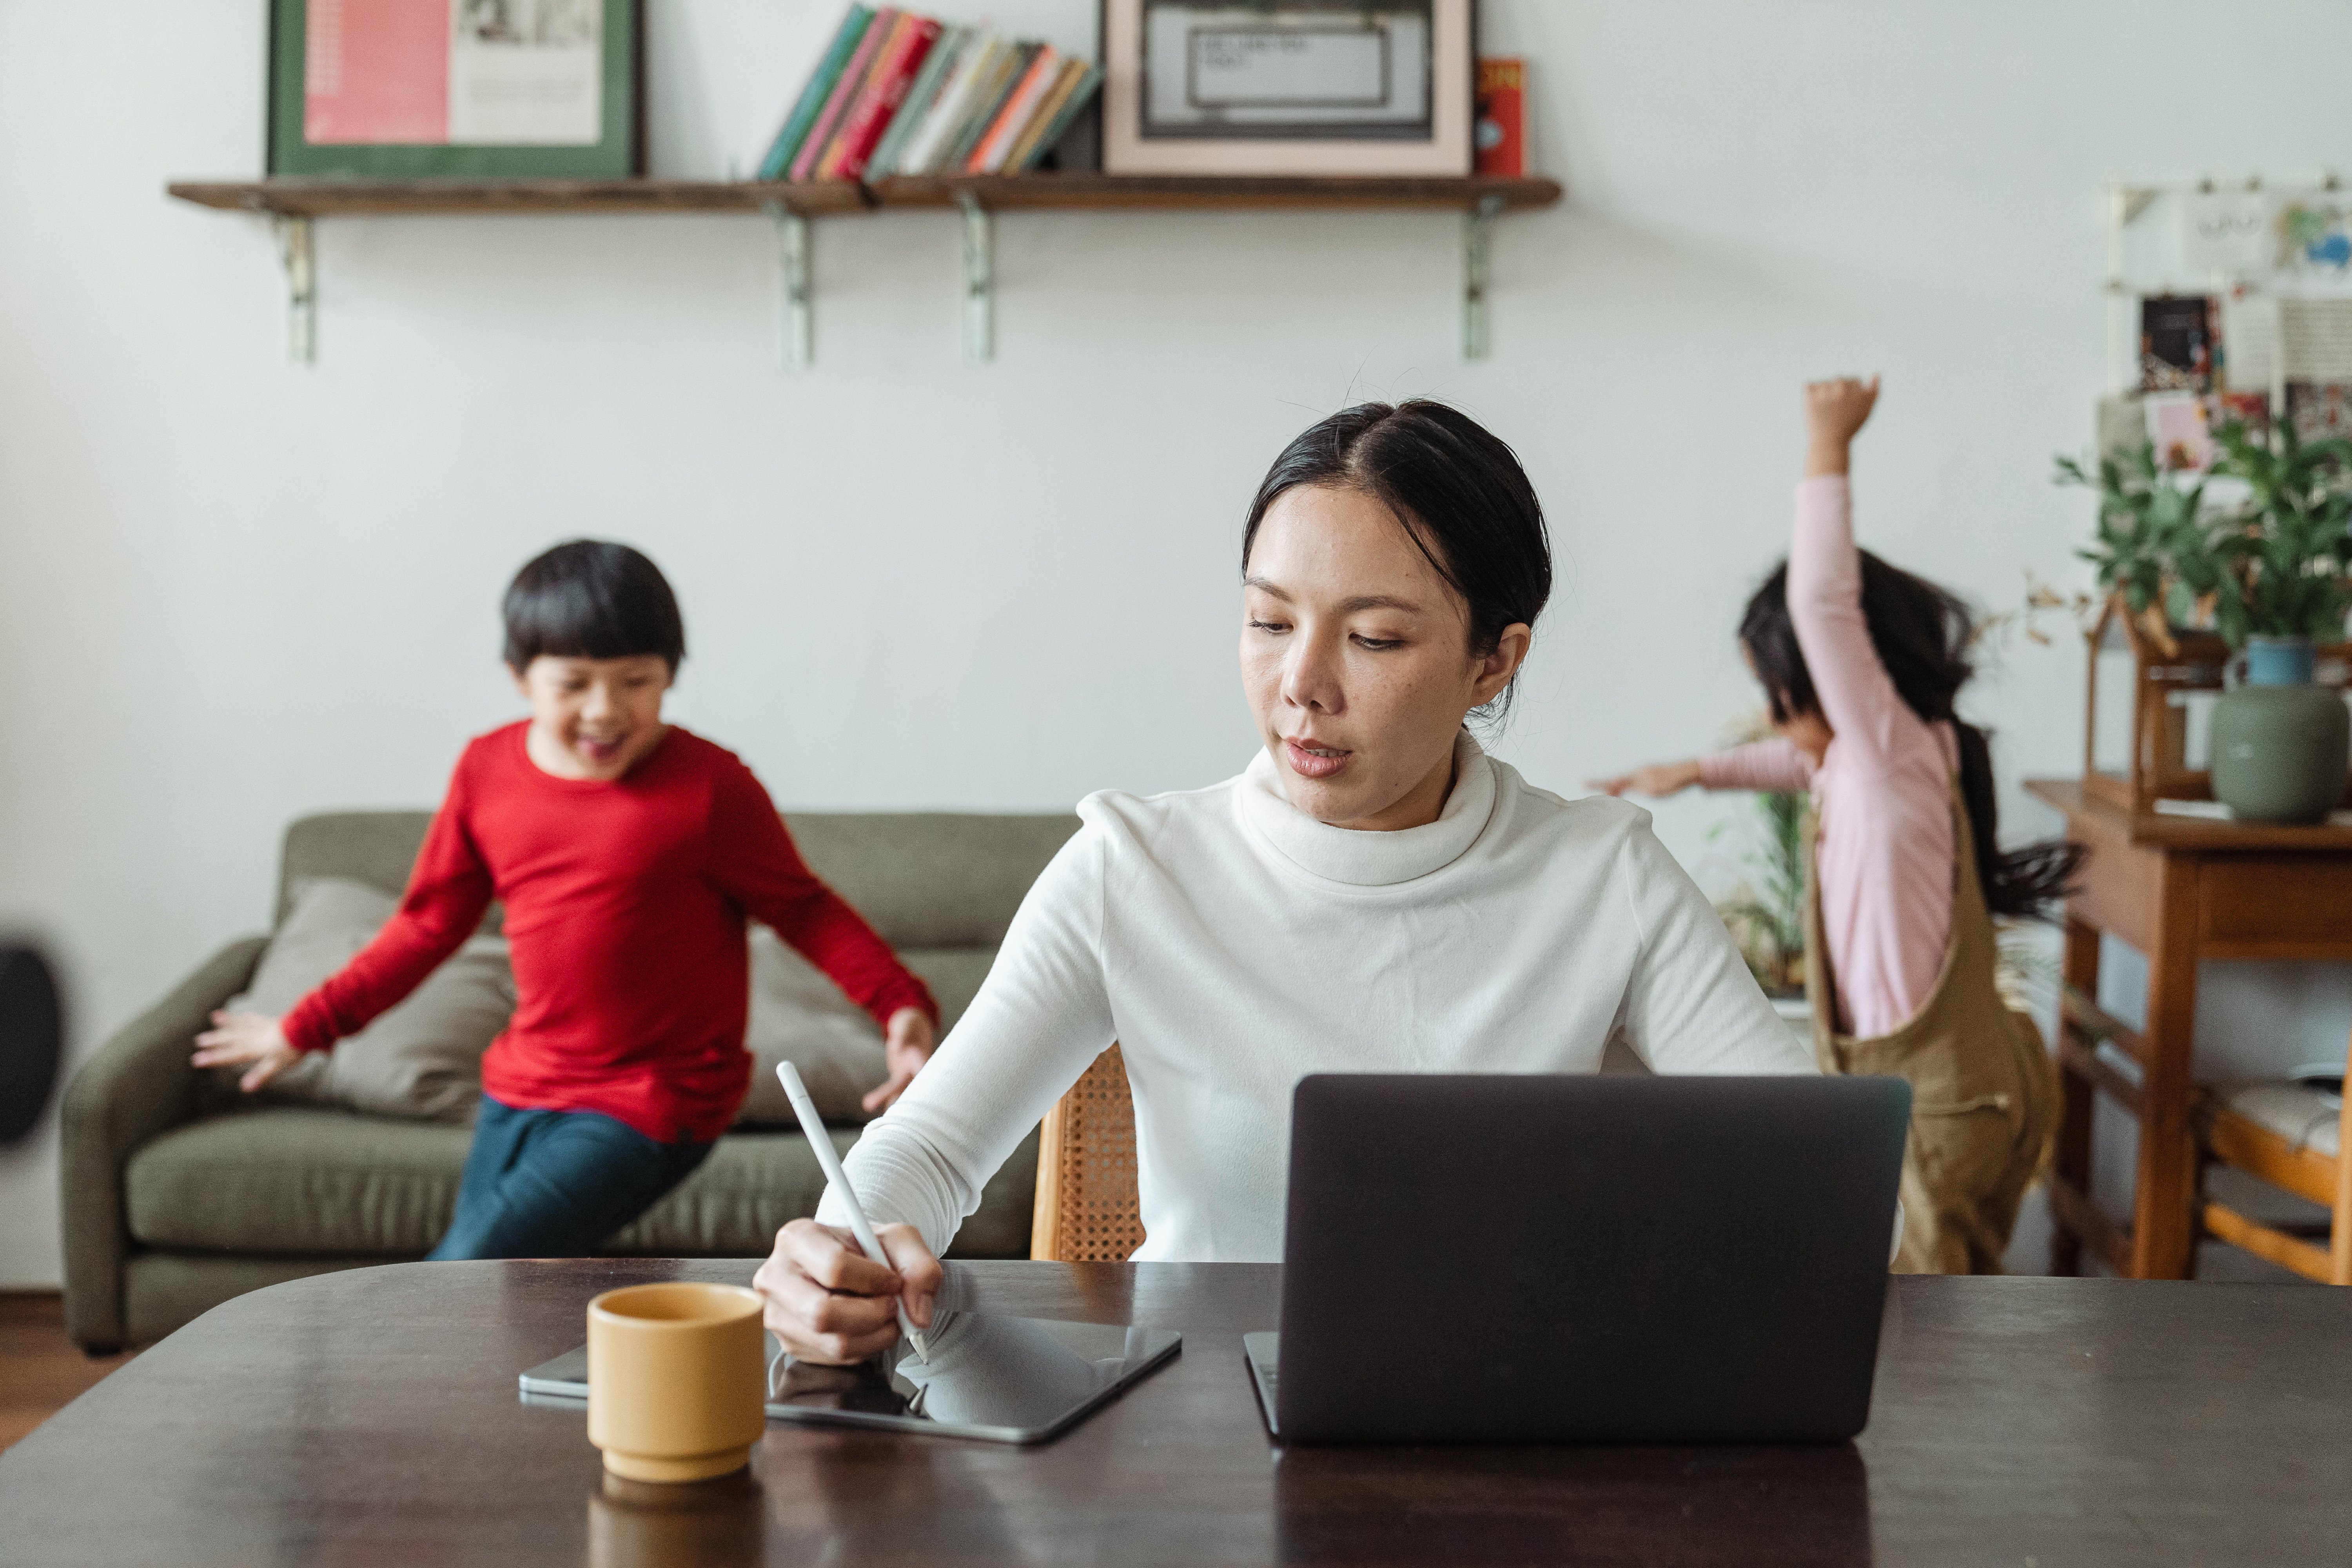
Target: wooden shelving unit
{"points": [[292, 204]]}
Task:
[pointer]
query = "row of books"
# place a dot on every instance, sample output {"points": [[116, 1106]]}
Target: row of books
{"points": [[898, 93]]}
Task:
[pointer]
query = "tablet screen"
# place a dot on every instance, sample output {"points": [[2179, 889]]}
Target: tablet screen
{"points": [[1010, 1380]]}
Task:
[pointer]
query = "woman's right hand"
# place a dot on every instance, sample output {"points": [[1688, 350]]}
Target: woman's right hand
{"points": [[829, 1302], [237, 1037], [1657, 779]]}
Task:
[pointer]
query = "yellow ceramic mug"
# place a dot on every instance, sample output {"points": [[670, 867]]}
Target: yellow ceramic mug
{"points": [[677, 1380]]}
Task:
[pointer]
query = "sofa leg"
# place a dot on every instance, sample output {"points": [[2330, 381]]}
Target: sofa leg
{"points": [[100, 1352]]}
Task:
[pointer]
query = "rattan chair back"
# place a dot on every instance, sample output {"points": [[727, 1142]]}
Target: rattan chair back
{"points": [[1086, 1210]]}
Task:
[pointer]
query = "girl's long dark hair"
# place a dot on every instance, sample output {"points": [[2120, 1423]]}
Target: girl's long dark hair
{"points": [[1921, 633]]}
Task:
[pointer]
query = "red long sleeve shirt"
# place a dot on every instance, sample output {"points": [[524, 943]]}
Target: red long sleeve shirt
{"points": [[625, 907]]}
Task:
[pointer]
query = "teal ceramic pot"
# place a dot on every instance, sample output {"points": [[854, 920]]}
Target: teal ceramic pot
{"points": [[2281, 745]]}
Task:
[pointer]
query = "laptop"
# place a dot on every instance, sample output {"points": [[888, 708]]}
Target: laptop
{"points": [[1582, 1260]]}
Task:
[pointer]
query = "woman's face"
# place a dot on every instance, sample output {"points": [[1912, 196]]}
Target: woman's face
{"points": [[1356, 658]]}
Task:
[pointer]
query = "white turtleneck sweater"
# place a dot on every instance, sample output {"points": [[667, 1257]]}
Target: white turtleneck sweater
{"points": [[1232, 944]]}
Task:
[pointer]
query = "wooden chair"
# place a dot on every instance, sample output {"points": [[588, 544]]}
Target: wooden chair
{"points": [[2288, 1136], [1086, 1210]]}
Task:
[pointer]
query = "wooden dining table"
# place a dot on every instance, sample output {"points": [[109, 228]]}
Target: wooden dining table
{"points": [[373, 1417]]}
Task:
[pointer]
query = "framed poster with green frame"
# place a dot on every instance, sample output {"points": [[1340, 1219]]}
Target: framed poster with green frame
{"points": [[457, 89]]}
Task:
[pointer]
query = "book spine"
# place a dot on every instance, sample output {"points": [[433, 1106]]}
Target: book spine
{"points": [[923, 151], [1066, 79], [853, 76], [1499, 136], [920, 96], [1089, 82], [814, 92], [828, 162], [989, 156], [987, 106], [891, 80]]}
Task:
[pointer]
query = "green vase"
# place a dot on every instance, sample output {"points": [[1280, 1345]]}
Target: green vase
{"points": [[2281, 744]]}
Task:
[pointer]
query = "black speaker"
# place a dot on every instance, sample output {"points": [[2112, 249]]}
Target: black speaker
{"points": [[32, 1038]]}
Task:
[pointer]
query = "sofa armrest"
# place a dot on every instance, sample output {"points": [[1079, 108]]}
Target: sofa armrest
{"points": [[140, 1083]]}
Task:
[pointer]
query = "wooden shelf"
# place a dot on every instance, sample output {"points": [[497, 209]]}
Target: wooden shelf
{"points": [[330, 198], [818, 198], [1012, 192], [292, 206]]}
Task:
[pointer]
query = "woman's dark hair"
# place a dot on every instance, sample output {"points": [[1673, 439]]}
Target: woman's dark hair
{"points": [[591, 599], [1921, 633], [1455, 488]]}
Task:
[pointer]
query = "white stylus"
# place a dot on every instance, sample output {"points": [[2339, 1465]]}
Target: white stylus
{"points": [[812, 1128]]}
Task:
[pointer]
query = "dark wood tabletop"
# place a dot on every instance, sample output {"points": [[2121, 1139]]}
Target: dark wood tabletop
{"points": [[372, 1417]]}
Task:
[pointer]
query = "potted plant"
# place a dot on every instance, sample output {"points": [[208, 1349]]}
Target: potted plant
{"points": [[1768, 923], [2270, 570]]}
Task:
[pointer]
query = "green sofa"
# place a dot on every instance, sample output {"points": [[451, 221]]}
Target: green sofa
{"points": [[177, 1197]]}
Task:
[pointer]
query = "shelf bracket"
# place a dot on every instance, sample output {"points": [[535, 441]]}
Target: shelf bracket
{"points": [[295, 253], [793, 240], [1478, 241], [979, 281]]}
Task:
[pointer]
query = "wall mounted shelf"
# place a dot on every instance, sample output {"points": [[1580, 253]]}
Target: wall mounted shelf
{"points": [[292, 206]]}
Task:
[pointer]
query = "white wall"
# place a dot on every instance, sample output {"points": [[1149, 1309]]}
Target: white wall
{"points": [[232, 590]]}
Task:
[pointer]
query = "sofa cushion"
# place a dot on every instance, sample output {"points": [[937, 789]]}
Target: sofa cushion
{"points": [[423, 1057], [953, 973], [289, 1180], [800, 1015], [930, 878], [300, 1181]]}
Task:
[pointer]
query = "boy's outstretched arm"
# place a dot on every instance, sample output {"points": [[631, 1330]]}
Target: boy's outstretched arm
{"points": [[252, 1038], [448, 891], [1835, 412]]}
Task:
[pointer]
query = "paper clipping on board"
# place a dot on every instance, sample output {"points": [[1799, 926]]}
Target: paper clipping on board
{"points": [[2313, 376], [500, 73], [2177, 428], [527, 73], [2227, 232], [2316, 238]]}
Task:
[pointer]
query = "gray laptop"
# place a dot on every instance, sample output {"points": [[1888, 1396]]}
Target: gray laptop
{"points": [[1543, 1260]]}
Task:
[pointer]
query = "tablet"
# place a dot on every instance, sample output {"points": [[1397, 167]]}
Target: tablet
{"points": [[998, 1378]]}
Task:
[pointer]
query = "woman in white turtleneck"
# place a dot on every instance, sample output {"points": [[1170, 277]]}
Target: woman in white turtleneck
{"points": [[1371, 894]]}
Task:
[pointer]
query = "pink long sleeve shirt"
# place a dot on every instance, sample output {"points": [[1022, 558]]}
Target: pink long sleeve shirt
{"points": [[1882, 796]]}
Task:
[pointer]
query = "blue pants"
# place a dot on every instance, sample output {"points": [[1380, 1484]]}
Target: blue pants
{"points": [[555, 1184]]}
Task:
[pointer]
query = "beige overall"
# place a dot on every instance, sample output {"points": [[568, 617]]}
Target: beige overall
{"points": [[1984, 1094]]}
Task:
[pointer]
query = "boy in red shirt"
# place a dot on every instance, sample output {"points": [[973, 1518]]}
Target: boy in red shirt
{"points": [[628, 853]]}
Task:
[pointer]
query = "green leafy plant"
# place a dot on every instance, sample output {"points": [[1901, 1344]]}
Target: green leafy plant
{"points": [[2147, 522], [2287, 549], [1766, 918], [2276, 562]]}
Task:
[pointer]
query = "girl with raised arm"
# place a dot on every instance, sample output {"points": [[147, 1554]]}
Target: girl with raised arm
{"points": [[1860, 663]]}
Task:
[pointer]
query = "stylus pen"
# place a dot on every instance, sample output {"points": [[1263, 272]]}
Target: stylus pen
{"points": [[812, 1128]]}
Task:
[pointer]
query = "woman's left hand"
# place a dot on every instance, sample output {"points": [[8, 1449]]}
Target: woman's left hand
{"points": [[906, 1044]]}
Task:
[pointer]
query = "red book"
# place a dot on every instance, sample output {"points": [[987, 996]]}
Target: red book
{"points": [[845, 93], [861, 129], [1500, 132]]}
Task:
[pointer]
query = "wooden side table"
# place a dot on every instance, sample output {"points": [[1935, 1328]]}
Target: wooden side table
{"points": [[2180, 890]]}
